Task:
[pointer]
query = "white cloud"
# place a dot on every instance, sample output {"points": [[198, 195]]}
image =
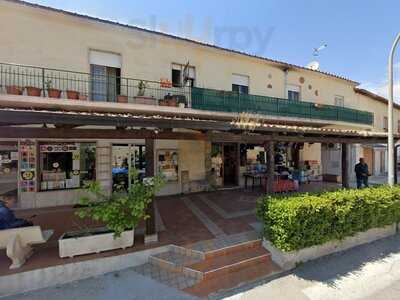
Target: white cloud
{"points": [[381, 87]]}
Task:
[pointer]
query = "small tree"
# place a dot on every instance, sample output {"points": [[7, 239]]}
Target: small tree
{"points": [[123, 209]]}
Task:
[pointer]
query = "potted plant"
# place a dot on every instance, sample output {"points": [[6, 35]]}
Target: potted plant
{"points": [[51, 92], [14, 90], [120, 212], [173, 102], [181, 101], [122, 99], [82, 97], [33, 91], [72, 95], [141, 88]]}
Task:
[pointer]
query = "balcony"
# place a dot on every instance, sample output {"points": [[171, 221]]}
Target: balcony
{"points": [[61, 84], [223, 101]]}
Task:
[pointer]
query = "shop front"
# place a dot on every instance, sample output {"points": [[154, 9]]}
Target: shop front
{"points": [[45, 173]]}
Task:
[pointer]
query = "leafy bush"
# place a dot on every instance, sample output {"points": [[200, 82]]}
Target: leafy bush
{"points": [[304, 220], [122, 210]]}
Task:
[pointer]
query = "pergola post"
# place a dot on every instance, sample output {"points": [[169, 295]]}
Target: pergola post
{"points": [[238, 164], [151, 232], [345, 166], [269, 149]]}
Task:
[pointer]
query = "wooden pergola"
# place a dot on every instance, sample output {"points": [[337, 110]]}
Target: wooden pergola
{"points": [[30, 123]]}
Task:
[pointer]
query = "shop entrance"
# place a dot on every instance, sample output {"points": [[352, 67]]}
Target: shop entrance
{"points": [[225, 164], [125, 158], [230, 165]]}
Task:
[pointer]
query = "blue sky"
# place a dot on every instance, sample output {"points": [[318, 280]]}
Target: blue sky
{"points": [[359, 33]]}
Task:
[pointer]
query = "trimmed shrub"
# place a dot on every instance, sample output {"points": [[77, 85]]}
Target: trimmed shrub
{"points": [[304, 220]]}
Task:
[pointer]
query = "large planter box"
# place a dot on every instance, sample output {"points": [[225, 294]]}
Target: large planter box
{"points": [[98, 240], [145, 100], [289, 260]]}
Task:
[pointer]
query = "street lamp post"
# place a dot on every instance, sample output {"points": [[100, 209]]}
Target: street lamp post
{"points": [[391, 167]]}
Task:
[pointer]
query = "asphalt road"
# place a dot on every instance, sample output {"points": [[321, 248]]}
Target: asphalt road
{"points": [[370, 272]]}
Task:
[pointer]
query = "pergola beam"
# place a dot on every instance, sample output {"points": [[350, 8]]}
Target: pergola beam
{"points": [[70, 133]]}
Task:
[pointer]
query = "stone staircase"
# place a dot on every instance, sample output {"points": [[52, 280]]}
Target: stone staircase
{"points": [[209, 266]]}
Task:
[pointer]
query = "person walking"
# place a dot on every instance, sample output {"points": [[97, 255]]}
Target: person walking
{"points": [[362, 173]]}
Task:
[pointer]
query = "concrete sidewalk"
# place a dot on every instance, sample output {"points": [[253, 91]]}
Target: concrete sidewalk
{"points": [[117, 285]]}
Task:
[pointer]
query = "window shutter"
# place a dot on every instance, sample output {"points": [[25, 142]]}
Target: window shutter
{"points": [[240, 79], [105, 59]]}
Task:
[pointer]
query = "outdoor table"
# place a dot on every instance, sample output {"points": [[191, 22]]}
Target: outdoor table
{"points": [[254, 177]]}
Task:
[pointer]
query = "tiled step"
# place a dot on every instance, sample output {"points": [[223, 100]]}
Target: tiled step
{"points": [[212, 265], [232, 280], [226, 244], [215, 266], [175, 261]]}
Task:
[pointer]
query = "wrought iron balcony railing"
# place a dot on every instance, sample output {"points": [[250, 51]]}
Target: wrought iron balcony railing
{"points": [[53, 83]]}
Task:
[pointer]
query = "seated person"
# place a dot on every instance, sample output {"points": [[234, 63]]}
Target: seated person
{"points": [[7, 217]]}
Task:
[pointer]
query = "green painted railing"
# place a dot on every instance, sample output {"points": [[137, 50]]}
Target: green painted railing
{"points": [[225, 101]]}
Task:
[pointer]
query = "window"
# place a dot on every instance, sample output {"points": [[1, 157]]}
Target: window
{"points": [[339, 101], [398, 126], [9, 172], [125, 158], [105, 71], [181, 73], [67, 165], [385, 123], [106, 83], [293, 92], [240, 84]]}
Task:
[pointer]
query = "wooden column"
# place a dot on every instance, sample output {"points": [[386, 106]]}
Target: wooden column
{"points": [[345, 166], [151, 232], [269, 149]]}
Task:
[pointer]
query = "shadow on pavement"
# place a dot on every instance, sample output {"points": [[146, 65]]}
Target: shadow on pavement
{"points": [[330, 268]]}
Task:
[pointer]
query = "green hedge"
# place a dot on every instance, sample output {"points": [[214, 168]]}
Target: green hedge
{"points": [[304, 220]]}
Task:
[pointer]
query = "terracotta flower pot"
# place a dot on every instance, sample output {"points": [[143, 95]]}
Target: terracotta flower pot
{"points": [[82, 97], [122, 99], [172, 102], [14, 90], [33, 91], [163, 102], [73, 95], [54, 93]]}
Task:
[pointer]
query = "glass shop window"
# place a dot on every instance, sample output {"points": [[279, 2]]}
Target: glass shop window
{"points": [[67, 165]]}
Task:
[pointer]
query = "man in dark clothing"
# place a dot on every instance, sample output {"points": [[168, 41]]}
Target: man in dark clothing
{"points": [[362, 173], [7, 217]]}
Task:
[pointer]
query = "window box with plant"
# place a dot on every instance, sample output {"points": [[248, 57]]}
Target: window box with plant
{"points": [[141, 98], [120, 212]]}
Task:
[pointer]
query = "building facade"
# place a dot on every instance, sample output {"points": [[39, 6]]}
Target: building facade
{"points": [[94, 65]]}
